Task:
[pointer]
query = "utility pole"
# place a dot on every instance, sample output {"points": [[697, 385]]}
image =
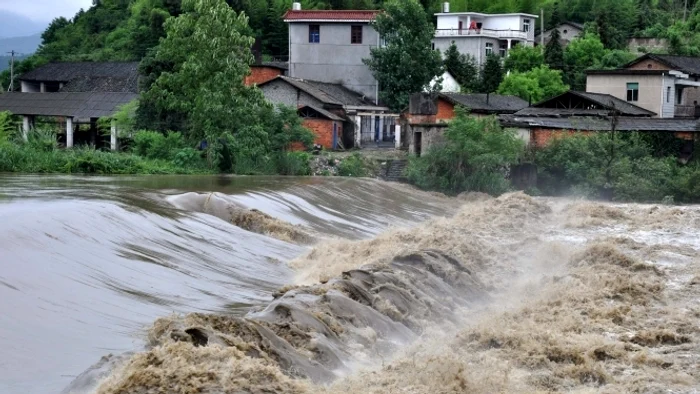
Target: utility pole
{"points": [[542, 27], [12, 72]]}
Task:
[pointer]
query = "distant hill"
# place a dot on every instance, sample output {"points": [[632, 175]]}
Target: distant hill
{"points": [[23, 45], [5, 61], [15, 25]]}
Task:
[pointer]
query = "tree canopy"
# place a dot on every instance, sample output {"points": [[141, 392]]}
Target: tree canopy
{"points": [[406, 63], [534, 85]]}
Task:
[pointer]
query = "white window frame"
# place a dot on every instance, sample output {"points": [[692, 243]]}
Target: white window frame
{"points": [[489, 48]]}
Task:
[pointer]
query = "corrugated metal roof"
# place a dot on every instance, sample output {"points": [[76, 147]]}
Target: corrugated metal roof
{"points": [[77, 105], [331, 15]]}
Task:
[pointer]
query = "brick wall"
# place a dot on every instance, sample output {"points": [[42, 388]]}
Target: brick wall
{"points": [[446, 110], [542, 137], [648, 64], [261, 74], [323, 131]]}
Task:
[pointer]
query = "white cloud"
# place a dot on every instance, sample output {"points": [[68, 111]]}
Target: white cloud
{"points": [[45, 10]]}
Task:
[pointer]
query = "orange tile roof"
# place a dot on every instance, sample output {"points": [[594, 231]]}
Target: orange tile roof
{"points": [[331, 15]]}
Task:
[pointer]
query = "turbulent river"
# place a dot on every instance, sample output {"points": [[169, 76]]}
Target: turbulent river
{"points": [[212, 284]]}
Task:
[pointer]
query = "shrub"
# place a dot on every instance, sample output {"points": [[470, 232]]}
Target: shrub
{"points": [[475, 156], [293, 163], [187, 157], [352, 165], [156, 145]]}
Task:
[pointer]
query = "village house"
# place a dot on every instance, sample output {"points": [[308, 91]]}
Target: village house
{"points": [[335, 113], [568, 31], [584, 112], [264, 71], [480, 35], [664, 84], [329, 45], [75, 96], [429, 114]]}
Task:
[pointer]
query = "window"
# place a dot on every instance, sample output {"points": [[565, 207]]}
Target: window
{"points": [[632, 92], [433, 45], [668, 94], [566, 31], [314, 34], [526, 25], [489, 48], [356, 34]]}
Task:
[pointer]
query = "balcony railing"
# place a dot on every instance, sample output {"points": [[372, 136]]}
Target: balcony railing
{"points": [[687, 111], [518, 34]]}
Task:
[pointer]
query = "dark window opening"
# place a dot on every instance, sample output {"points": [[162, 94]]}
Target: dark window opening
{"points": [[314, 34], [356, 34], [668, 94], [632, 92]]}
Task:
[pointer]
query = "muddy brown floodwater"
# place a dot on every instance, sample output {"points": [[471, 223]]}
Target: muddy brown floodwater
{"points": [[311, 285]]}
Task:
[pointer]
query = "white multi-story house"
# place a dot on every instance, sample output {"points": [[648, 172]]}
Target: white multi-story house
{"points": [[480, 35]]}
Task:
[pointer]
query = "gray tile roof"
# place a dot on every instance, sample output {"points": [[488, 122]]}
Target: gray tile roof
{"points": [[687, 64], [77, 105], [323, 112], [601, 124], [605, 101], [496, 103], [327, 93], [560, 112], [88, 76]]}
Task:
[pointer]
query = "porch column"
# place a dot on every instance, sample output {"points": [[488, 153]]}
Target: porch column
{"points": [[509, 44], [374, 127], [26, 127], [113, 136], [69, 132], [42, 87], [397, 136], [358, 131], [381, 129]]}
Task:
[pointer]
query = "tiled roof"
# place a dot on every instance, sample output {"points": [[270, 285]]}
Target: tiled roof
{"points": [[496, 103], [88, 76], [602, 101], [78, 105], [601, 123], [327, 93], [330, 15], [686, 64], [324, 113]]}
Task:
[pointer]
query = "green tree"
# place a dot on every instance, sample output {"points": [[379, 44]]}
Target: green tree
{"points": [[491, 74], [535, 85], [462, 67], [474, 157], [211, 55], [523, 58], [583, 53], [553, 51], [406, 64]]}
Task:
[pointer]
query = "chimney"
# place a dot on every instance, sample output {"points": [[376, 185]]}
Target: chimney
{"points": [[296, 6], [446, 7]]}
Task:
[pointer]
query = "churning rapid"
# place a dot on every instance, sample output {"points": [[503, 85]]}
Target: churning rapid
{"points": [[340, 286]]}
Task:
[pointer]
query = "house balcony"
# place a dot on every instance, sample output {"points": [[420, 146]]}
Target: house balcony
{"points": [[687, 111], [502, 34]]}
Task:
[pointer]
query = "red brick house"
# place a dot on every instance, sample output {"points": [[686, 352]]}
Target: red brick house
{"points": [[326, 126]]}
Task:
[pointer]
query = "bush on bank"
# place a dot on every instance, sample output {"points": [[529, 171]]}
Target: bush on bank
{"points": [[475, 156]]}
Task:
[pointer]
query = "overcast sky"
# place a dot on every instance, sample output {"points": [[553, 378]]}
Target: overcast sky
{"points": [[44, 10]]}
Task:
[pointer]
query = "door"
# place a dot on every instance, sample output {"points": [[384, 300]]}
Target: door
{"points": [[335, 136], [461, 26], [418, 142]]}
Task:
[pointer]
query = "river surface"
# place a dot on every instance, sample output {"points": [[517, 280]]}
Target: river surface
{"points": [[88, 263]]}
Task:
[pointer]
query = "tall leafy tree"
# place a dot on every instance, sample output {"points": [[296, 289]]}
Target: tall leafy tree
{"points": [[210, 51], [553, 51], [406, 64], [523, 58], [491, 74], [582, 54], [463, 67], [534, 85]]}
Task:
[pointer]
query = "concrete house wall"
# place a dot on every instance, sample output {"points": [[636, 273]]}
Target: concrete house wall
{"points": [[652, 90], [334, 59], [474, 46]]}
